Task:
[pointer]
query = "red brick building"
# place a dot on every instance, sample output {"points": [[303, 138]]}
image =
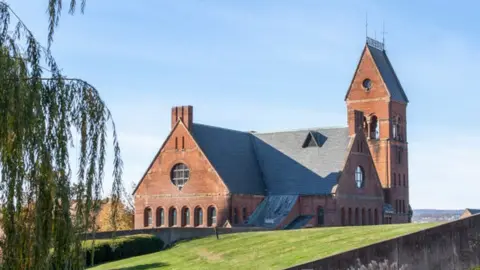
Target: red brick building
{"points": [[204, 176]]}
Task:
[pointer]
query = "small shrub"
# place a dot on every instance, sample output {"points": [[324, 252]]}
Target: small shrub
{"points": [[373, 265], [121, 248]]}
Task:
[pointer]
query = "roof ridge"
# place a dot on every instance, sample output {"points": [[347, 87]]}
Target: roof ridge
{"points": [[227, 129], [301, 129]]}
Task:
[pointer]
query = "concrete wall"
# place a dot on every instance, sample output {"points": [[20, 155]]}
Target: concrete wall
{"points": [[454, 245], [171, 235]]}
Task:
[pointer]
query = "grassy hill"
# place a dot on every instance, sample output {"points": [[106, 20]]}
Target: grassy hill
{"points": [[264, 250]]}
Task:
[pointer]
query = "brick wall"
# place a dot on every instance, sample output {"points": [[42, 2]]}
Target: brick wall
{"points": [[454, 245], [203, 189]]}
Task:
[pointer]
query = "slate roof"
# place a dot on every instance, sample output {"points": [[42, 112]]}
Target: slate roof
{"points": [[388, 74], [232, 155], [290, 169], [275, 163]]}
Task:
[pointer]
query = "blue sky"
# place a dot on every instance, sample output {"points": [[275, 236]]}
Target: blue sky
{"points": [[276, 65]]}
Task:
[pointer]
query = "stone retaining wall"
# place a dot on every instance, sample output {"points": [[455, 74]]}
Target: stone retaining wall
{"points": [[450, 246]]}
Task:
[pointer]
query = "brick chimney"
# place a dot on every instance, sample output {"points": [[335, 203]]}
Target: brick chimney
{"points": [[184, 113], [355, 121]]}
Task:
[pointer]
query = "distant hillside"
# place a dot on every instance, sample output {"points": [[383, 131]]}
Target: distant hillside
{"points": [[431, 215]]}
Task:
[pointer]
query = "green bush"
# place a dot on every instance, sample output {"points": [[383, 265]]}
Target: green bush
{"points": [[107, 250]]}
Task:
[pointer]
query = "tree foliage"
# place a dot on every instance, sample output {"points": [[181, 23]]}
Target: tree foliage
{"points": [[42, 112], [124, 219]]}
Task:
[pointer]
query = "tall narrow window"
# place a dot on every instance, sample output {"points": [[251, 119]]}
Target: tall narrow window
{"points": [[404, 182], [394, 179], [235, 216], [374, 128], [342, 217], [376, 216], [244, 215], [172, 217], [160, 217], [350, 219], [364, 221], [212, 216], [185, 217], [198, 217], [320, 216], [357, 217], [147, 220], [183, 143], [176, 143], [370, 220]]}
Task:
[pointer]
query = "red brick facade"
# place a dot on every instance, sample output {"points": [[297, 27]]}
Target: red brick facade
{"points": [[378, 157], [389, 150]]}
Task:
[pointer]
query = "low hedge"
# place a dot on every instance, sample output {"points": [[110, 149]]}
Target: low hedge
{"points": [[107, 250]]}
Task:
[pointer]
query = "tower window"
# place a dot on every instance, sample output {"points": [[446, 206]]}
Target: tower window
{"points": [[367, 84], [399, 154], [374, 127], [359, 177], [394, 180]]}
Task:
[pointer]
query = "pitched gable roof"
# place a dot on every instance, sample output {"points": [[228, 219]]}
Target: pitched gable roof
{"points": [[385, 69], [387, 72], [232, 155], [290, 169]]}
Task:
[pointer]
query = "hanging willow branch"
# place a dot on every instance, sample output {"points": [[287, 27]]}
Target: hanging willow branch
{"points": [[45, 210]]}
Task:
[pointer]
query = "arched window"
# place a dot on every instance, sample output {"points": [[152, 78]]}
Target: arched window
{"points": [[198, 217], [357, 217], [172, 217], [211, 216], [160, 217], [365, 126], [350, 220], [376, 216], [147, 217], [374, 127], [364, 221], [320, 216], [244, 215], [370, 219], [179, 175], [235, 216], [359, 177], [185, 216], [342, 218]]}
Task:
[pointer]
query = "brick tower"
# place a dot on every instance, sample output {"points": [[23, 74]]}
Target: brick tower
{"points": [[376, 90]]}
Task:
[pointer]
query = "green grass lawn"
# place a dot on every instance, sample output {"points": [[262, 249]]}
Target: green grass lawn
{"points": [[264, 250]]}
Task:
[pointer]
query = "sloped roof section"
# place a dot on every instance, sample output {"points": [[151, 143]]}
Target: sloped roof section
{"points": [[232, 155], [386, 71], [288, 168], [473, 211]]}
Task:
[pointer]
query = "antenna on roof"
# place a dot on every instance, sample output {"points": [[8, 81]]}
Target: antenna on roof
{"points": [[383, 35], [366, 24]]}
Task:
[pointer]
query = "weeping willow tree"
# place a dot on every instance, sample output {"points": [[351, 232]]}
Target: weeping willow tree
{"points": [[42, 114]]}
